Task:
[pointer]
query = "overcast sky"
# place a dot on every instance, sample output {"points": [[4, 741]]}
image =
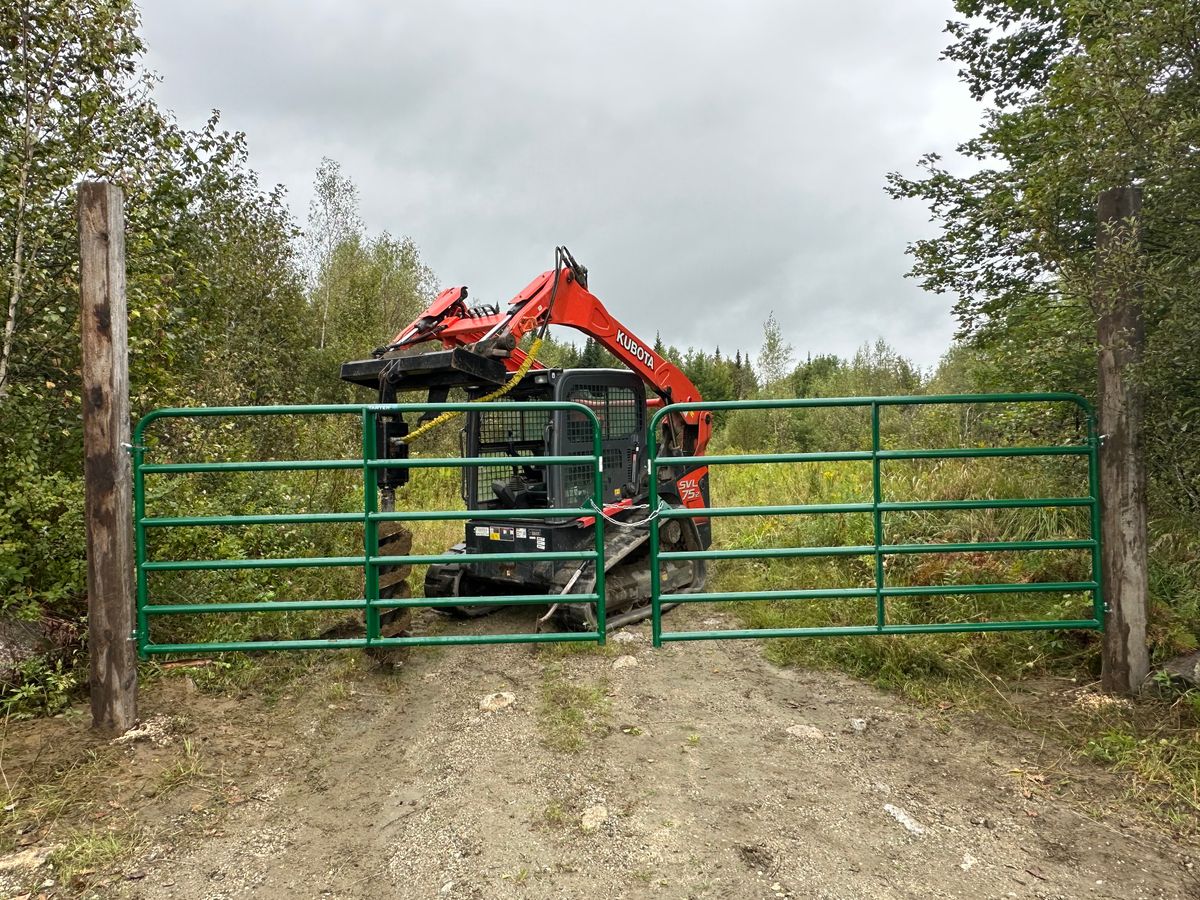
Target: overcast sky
{"points": [[709, 162]]}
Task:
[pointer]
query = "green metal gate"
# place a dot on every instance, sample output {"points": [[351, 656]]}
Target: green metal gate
{"points": [[150, 607], [878, 507]]}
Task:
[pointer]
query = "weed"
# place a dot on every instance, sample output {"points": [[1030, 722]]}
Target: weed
{"points": [[188, 768], [1112, 747], [574, 648], [569, 713], [1155, 743], [518, 877], [92, 852], [270, 676], [50, 791], [336, 692], [42, 688]]}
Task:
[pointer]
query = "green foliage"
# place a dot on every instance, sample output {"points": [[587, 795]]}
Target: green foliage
{"points": [[596, 357], [41, 540], [1174, 587], [42, 688], [362, 289], [875, 370], [713, 376], [1163, 756], [775, 357], [554, 353], [334, 229], [1089, 95], [71, 102], [222, 312]]}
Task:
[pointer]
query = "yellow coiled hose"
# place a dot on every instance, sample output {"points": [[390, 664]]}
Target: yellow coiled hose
{"points": [[445, 417]]}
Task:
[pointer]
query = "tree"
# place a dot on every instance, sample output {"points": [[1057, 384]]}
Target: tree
{"points": [[744, 383], [1089, 95], [812, 374], [361, 290], [71, 104], [333, 222], [372, 288], [775, 357], [595, 357], [711, 375], [216, 287], [218, 312], [765, 429], [555, 354]]}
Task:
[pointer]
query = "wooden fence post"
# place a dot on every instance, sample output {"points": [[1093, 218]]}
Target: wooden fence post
{"points": [[1120, 334], [107, 473]]}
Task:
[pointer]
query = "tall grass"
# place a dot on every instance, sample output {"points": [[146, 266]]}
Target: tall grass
{"points": [[242, 493], [1175, 566], [1175, 550], [892, 658]]}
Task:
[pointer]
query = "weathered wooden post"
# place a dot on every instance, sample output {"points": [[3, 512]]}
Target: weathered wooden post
{"points": [[1120, 334], [106, 471]]}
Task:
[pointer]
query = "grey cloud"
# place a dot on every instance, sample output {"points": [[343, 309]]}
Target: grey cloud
{"points": [[709, 162]]}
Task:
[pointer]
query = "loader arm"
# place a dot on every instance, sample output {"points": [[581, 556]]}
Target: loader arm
{"points": [[557, 297]]}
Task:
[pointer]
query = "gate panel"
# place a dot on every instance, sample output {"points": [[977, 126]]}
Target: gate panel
{"points": [[370, 560], [879, 549]]}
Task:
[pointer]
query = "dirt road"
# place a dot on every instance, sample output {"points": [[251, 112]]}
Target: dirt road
{"points": [[698, 770]]}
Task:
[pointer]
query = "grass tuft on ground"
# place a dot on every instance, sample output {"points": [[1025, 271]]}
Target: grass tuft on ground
{"points": [[570, 714]]}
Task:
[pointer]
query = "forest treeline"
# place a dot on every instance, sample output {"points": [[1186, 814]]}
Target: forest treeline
{"points": [[233, 301]]}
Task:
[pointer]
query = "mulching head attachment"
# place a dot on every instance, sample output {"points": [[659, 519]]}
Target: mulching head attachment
{"points": [[458, 367]]}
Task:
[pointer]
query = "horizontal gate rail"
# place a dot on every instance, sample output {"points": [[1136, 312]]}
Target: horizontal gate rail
{"points": [[877, 507], [370, 560], [869, 549]]}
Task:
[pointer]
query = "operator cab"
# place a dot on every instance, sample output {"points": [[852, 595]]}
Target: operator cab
{"points": [[618, 399]]}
